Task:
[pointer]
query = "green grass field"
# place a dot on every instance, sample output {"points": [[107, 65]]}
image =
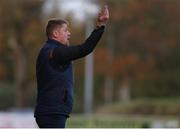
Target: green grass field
{"points": [[154, 112], [108, 121]]}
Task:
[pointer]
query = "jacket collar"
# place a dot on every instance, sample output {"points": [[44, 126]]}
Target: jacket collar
{"points": [[55, 42]]}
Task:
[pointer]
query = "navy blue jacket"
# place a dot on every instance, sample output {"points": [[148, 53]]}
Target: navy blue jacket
{"points": [[54, 74]]}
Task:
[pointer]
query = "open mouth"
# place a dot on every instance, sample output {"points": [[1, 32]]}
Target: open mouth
{"points": [[68, 38]]}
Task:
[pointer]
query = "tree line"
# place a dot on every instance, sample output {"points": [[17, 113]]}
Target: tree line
{"points": [[138, 55]]}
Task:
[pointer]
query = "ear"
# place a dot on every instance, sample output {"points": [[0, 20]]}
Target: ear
{"points": [[55, 33]]}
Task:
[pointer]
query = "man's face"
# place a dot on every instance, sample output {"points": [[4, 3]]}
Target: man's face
{"points": [[62, 34]]}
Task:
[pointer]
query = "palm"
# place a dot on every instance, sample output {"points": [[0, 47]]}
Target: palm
{"points": [[104, 15]]}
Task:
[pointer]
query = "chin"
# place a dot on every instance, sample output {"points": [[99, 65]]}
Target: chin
{"points": [[67, 43]]}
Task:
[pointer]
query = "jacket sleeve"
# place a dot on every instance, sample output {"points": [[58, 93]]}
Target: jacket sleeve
{"points": [[65, 54]]}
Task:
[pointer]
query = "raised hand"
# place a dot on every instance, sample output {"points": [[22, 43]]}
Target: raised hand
{"points": [[103, 16]]}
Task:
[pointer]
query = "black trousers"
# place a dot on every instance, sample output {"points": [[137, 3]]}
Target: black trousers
{"points": [[51, 121]]}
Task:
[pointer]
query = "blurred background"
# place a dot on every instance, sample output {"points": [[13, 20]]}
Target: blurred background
{"points": [[131, 80]]}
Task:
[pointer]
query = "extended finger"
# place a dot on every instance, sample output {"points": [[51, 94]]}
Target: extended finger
{"points": [[106, 10]]}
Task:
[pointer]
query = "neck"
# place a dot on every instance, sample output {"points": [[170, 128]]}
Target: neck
{"points": [[59, 41]]}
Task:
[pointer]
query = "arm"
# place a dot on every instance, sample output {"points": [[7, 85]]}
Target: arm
{"points": [[68, 53], [65, 54]]}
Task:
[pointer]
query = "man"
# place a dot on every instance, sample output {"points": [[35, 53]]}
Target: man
{"points": [[54, 71]]}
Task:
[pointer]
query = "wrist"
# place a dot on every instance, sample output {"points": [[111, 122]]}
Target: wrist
{"points": [[99, 24]]}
